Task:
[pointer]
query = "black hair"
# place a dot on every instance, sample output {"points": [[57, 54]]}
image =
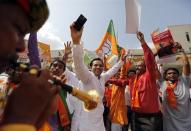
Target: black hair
{"points": [[95, 59], [170, 68], [58, 60], [129, 71]]}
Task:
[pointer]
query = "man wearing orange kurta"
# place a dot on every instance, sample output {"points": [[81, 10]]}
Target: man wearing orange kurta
{"points": [[118, 111], [144, 94]]}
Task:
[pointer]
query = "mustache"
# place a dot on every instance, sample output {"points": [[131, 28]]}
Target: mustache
{"points": [[137, 68]]}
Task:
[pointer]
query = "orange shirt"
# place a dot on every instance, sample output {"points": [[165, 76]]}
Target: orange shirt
{"points": [[147, 86]]}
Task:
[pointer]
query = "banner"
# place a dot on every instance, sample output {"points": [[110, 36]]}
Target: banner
{"points": [[164, 44], [163, 37], [45, 55]]}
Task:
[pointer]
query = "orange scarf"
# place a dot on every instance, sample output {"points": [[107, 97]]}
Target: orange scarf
{"points": [[118, 111], [135, 102], [171, 99]]}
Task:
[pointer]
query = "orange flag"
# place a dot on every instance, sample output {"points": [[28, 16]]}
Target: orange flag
{"points": [[108, 44]]}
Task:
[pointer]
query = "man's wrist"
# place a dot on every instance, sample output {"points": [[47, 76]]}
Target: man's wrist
{"points": [[76, 42], [142, 41]]}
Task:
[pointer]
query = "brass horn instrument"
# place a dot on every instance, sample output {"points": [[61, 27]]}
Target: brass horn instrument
{"points": [[90, 98]]}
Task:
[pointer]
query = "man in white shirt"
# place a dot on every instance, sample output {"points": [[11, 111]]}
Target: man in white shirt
{"points": [[91, 80]]}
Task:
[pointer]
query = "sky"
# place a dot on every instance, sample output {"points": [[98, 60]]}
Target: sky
{"points": [[154, 14]]}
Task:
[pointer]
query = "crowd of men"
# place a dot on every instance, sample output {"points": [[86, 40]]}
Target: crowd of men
{"points": [[155, 102]]}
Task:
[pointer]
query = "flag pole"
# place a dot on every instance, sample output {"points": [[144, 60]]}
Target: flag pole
{"points": [[117, 37]]}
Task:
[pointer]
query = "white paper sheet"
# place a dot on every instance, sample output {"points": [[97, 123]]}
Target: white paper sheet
{"points": [[133, 14]]}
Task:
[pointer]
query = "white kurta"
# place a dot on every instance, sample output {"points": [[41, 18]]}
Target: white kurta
{"points": [[92, 120], [71, 79]]}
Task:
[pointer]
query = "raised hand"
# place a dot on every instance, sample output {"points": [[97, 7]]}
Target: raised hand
{"points": [[124, 57], [61, 79], [67, 51], [68, 48], [140, 37], [76, 35]]}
